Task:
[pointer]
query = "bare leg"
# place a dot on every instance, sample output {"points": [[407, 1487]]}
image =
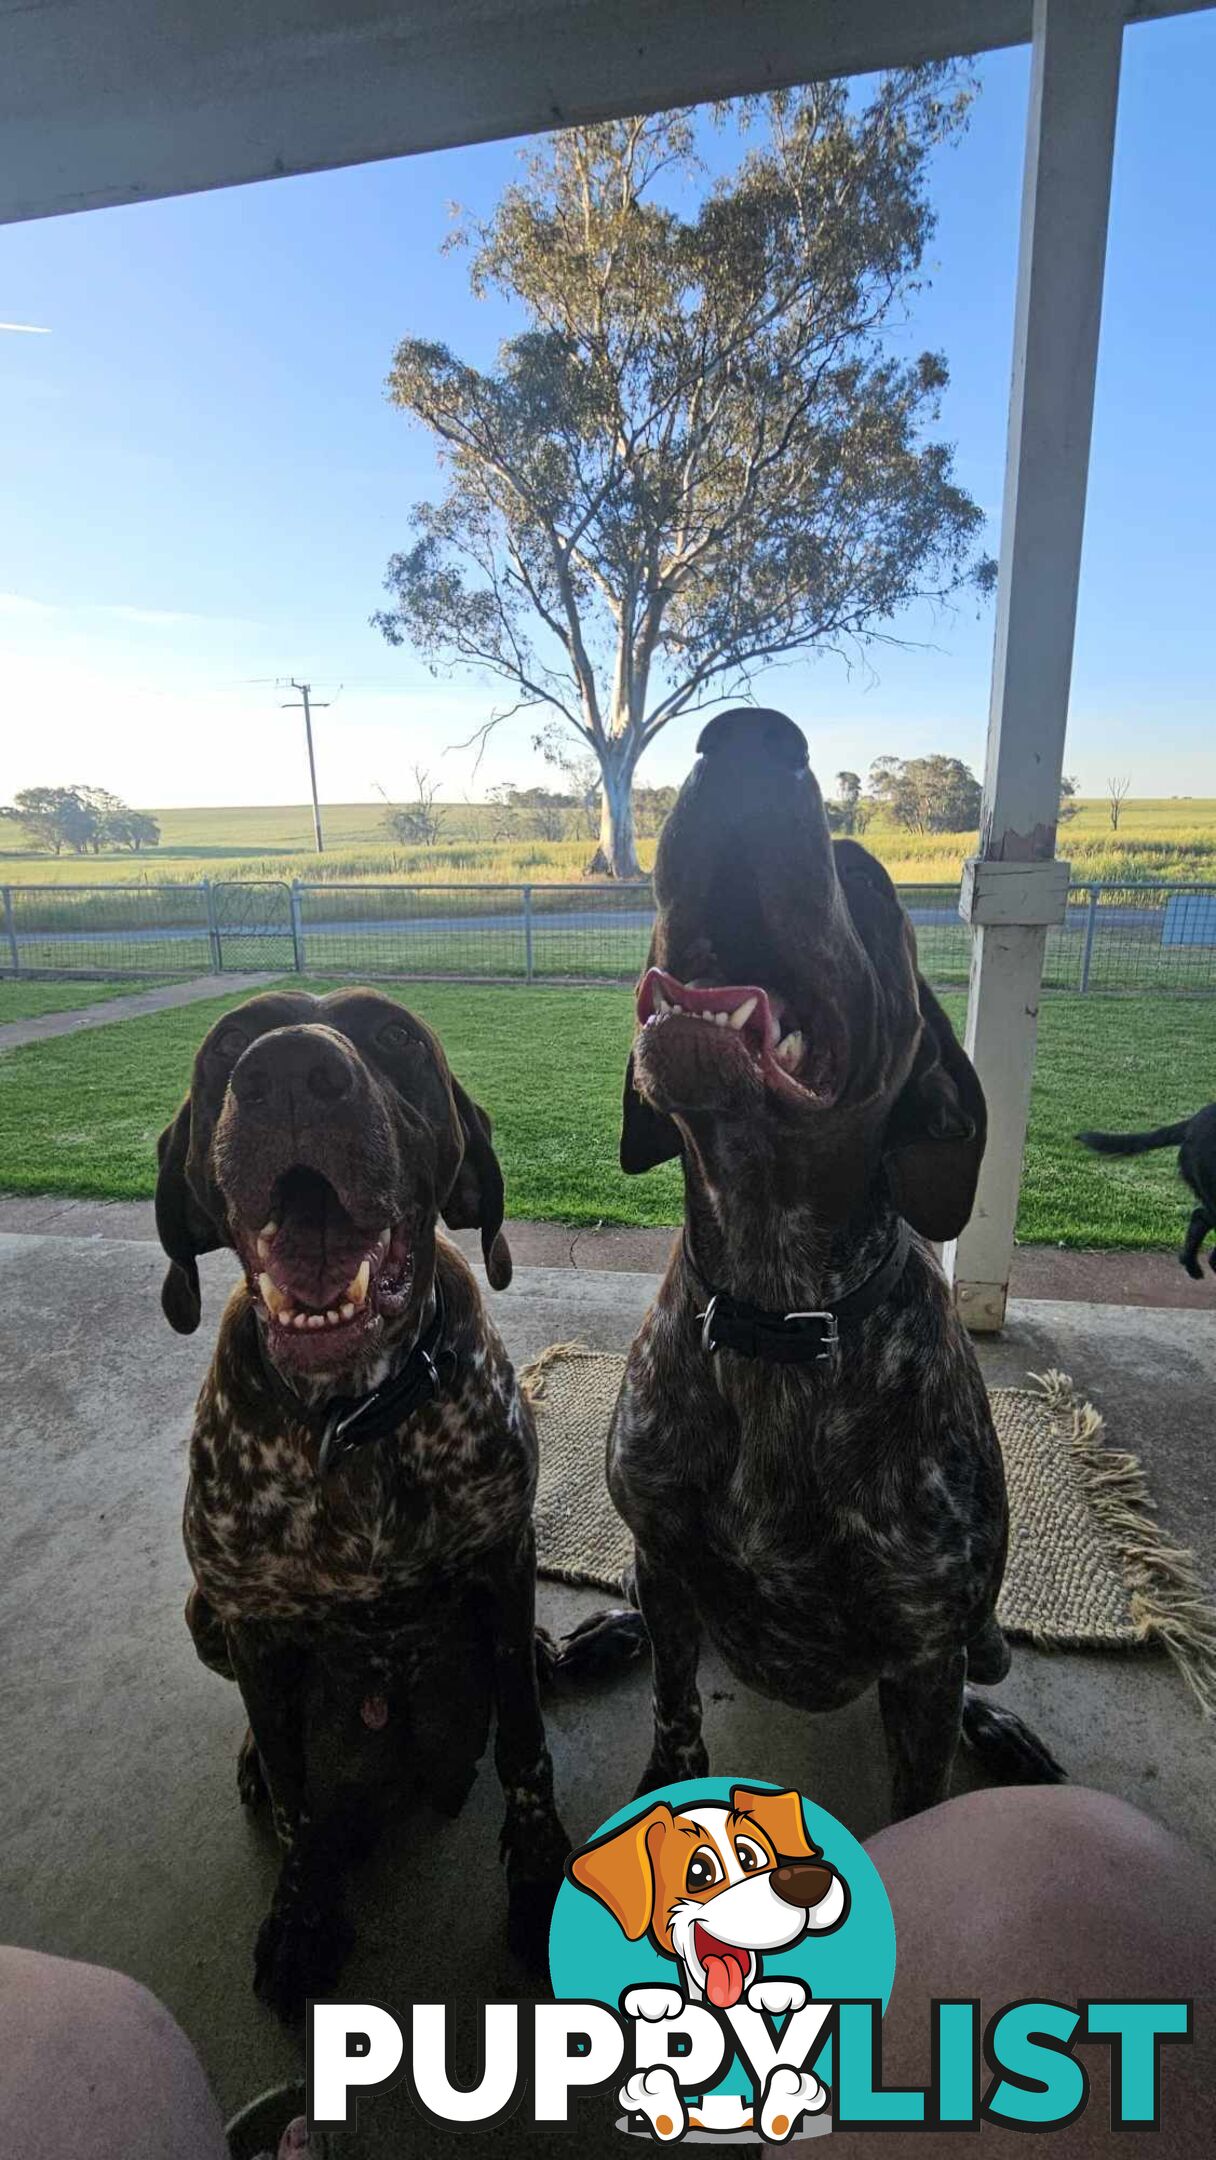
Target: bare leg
{"points": [[92, 2067], [679, 1749], [1049, 1892]]}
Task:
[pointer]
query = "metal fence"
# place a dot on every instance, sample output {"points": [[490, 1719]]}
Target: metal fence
{"points": [[1114, 937]]}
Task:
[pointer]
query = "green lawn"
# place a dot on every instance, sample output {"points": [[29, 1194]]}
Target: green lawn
{"points": [[80, 1115], [22, 1000]]}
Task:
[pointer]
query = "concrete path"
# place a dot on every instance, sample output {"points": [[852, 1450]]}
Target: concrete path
{"points": [[15, 1033], [121, 1839]]}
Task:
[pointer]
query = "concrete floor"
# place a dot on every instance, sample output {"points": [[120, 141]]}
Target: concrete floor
{"points": [[123, 1841]]}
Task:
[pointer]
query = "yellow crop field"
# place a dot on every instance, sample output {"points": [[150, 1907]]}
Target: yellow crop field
{"points": [[1158, 839]]}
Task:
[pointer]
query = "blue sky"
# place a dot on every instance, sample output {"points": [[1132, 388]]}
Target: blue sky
{"points": [[203, 481]]}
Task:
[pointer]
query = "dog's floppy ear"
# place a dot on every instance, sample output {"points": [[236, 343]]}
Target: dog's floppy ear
{"points": [[184, 1229], [619, 1869], [648, 1137], [779, 1815], [476, 1200], [934, 1142]]}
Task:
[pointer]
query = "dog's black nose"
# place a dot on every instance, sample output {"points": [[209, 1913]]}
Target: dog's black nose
{"points": [[802, 1883], [756, 732], [287, 1060]]}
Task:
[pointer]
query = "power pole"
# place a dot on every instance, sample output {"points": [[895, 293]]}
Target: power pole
{"points": [[295, 705]]}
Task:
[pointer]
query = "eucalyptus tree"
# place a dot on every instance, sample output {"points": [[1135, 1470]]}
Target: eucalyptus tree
{"points": [[705, 450]]}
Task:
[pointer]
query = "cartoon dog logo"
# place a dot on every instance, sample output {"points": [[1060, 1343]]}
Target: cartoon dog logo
{"points": [[717, 1888]]}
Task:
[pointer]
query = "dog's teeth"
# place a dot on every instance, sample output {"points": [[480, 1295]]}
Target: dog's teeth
{"points": [[331, 1319], [659, 1002], [300, 1320], [286, 1316], [269, 1229], [272, 1296], [721, 1019], [356, 1288], [346, 1312], [789, 1050], [316, 1319], [742, 1013], [384, 1240]]}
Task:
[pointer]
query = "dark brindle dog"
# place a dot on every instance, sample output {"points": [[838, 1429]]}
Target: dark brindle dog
{"points": [[1195, 1140], [802, 1446], [362, 1468]]}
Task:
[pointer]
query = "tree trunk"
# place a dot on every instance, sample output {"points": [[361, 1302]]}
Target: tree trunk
{"points": [[616, 855]]}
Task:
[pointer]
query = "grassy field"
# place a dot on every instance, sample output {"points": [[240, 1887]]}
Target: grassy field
{"points": [[80, 1115], [1157, 838]]}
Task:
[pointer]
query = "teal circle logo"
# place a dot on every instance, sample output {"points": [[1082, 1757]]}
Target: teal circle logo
{"points": [[742, 1899]]}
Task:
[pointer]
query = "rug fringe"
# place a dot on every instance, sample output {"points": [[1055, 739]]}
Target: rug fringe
{"points": [[532, 1380], [1165, 1591]]}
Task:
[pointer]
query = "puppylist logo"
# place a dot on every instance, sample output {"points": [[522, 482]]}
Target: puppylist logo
{"points": [[723, 1907], [721, 1956]]}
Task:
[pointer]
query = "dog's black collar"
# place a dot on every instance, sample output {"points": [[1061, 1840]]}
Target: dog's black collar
{"points": [[354, 1421], [793, 1338]]}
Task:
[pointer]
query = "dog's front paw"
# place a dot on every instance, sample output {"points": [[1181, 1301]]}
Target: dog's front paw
{"points": [[301, 1949], [604, 1643], [655, 2095], [789, 2095], [776, 1996], [1192, 1266], [653, 2003]]}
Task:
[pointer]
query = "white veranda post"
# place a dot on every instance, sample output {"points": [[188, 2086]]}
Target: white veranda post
{"points": [[1014, 888]]}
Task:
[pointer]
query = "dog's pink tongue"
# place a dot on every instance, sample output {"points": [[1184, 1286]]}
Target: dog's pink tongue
{"points": [[724, 1977]]}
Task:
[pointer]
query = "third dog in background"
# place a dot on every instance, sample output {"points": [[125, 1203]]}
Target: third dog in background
{"points": [[1195, 1140]]}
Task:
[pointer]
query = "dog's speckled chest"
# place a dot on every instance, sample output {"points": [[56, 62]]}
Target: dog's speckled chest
{"points": [[826, 1534], [401, 1521]]}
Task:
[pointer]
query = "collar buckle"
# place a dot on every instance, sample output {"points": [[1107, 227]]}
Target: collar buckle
{"points": [[829, 1331], [806, 1336]]}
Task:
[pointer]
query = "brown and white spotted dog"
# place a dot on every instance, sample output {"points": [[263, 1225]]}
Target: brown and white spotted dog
{"points": [[374, 1612], [803, 1446]]}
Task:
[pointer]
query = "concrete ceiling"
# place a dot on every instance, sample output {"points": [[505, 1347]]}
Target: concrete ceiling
{"points": [[116, 101]]}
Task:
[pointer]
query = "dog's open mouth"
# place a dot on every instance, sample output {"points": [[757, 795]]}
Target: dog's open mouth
{"points": [[746, 1022], [726, 1967], [324, 1283]]}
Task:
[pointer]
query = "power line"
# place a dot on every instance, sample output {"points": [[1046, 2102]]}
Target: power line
{"points": [[296, 705]]}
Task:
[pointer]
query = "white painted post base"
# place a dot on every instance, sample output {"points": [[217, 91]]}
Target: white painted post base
{"points": [[1002, 1029], [1009, 906]]}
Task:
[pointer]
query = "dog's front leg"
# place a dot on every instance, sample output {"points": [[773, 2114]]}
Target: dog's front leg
{"points": [[534, 1844], [675, 1634], [1196, 1231], [304, 1938], [922, 1716]]}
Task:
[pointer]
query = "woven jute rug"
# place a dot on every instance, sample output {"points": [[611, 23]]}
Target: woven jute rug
{"points": [[1089, 1567]]}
